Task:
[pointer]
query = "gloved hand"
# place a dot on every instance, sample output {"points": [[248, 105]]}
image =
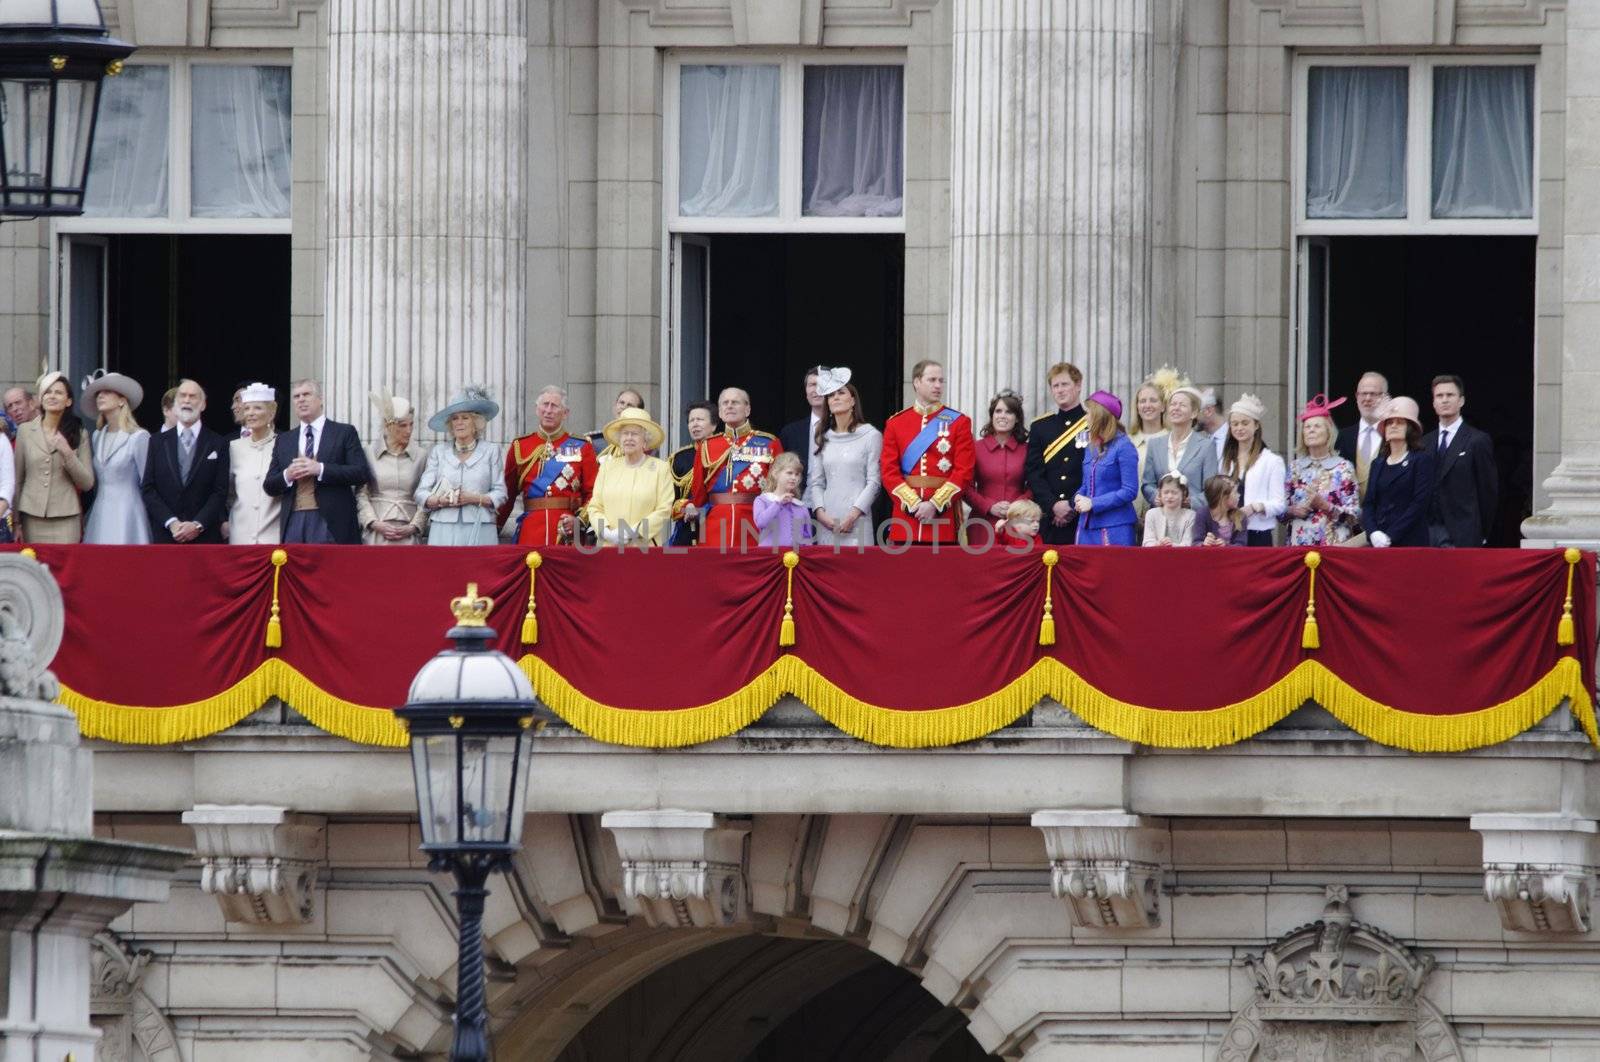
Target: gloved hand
{"points": [[1379, 539]]}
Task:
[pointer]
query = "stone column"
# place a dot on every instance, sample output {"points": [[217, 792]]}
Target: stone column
{"points": [[1573, 516], [1049, 195], [426, 270]]}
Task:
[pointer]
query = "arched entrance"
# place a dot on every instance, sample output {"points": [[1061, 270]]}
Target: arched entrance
{"points": [[773, 999]]}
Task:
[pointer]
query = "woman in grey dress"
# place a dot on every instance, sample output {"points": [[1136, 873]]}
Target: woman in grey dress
{"points": [[845, 475], [120, 447], [462, 485]]}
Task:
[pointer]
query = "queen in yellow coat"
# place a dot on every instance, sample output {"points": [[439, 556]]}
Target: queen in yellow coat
{"points": [[633, 494]]}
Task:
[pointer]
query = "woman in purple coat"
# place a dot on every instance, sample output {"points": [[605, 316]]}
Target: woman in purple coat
{"points": [[1110, 477]]}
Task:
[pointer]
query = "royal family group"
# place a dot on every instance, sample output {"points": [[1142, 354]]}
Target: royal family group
{"points": [[1174, 470]]}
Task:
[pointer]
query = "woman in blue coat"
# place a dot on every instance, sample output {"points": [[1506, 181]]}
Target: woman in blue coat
{"points": [[1400, 480], [1110, 477]]}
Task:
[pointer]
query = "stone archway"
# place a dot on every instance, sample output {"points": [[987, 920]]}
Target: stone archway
{"points": [[762, 996], [132, 1027]]}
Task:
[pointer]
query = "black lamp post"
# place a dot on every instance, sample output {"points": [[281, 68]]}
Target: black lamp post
{"points": [[53, 54], [470, 713]]}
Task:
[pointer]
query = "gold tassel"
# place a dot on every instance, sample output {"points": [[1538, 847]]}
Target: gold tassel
{"points": [[1047, 623], [786, 629], [1310, 637], [530, 622], [274, 624], [27, 551], [1566, 633]]}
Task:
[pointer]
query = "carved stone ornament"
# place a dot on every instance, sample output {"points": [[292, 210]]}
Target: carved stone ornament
{"points": [[1538, 870], [682, 868], [1336, 989], [1107, 865], [31, 623], [259, 862], [132, 1028]]}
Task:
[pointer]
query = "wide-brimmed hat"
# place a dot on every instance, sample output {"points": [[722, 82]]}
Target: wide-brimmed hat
{"points": [[470, 399], [635, 418], [100, 380], [831, 380], [1110, 401], [1250, 406], [1402, 407], [1319, 406]]}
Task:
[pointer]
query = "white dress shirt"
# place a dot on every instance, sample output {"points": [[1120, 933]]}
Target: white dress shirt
{"points": [[1367, 442], [300, 444], [1448, 432]]}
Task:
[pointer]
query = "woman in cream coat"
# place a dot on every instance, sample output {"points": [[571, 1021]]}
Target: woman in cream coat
{"points": [[254, 516], [386, 507], [54, 467], [633, 489], [462, 484]]}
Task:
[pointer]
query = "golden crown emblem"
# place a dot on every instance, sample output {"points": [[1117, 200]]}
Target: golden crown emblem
{"points": [[471, 609]]}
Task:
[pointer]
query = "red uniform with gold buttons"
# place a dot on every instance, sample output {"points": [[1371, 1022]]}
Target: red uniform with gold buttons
{"points": [[727, 475], [927, 456], [554, 477]]}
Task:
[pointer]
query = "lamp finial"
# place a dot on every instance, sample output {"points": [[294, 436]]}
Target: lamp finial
{"points": [[472, 610]]}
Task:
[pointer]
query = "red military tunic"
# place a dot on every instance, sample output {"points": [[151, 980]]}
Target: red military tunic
{"points": [[546, 498], [726, 478], [940, 474]]}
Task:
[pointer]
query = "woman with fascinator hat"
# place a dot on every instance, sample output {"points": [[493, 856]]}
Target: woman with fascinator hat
{"points": [[461, 485], [1324, 499], [120, 450], [386, 507], [846, 473]]}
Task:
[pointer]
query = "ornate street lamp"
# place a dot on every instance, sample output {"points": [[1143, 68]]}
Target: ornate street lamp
{"points": [[470, 713], [53, 54]]}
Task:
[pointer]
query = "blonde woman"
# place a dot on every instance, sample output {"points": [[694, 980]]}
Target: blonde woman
{"points": [[254, 516], [633, 493], [461, 485], [386, 507], [1149, 419], [53, 466], [120, 451]]}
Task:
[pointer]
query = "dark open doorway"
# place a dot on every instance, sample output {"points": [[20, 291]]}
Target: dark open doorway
{"points": [[214, 308], [781, 304], [1412, 307]]}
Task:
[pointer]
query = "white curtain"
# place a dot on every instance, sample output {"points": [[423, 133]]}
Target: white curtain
{"points": [[1356, 142], [854, 129], [728, 141], [239, 161], [1483, 142], [128, 164]]}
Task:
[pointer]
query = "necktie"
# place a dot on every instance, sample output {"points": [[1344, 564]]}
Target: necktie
{"points": [[186, 454], [1366, 442], [1444, 442], [311, 440]]}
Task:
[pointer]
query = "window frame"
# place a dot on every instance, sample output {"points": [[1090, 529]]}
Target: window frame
{"points": [[1419, 148], [180, 131], [791, 65]]}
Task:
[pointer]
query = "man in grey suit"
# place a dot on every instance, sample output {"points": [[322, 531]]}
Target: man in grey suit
{"points": [[1466, 487]]}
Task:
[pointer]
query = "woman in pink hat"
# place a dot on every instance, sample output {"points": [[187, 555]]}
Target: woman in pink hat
{"points": [[1400, 481], [1324, 501], [1110, 477]]}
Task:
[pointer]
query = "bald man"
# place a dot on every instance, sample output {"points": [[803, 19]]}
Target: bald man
{"points": [[728, 470]]}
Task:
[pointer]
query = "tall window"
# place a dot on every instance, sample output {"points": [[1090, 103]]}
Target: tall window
{"points": [[1426, 144], [192, 144], [786, 144]]}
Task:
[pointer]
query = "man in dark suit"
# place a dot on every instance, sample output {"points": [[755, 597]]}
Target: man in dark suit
{"points": [[1359, 442], [1053, 468], [317, 467], [1466, 487], [186, 475], [800, 436]]}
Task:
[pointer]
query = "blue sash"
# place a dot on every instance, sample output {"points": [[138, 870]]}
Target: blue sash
{"points": [[924, 439], [547, 474], [733, 470]]}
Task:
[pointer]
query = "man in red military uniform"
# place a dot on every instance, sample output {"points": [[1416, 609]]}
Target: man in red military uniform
{"points": [[553, 472], [728, 470], [928, 459]]}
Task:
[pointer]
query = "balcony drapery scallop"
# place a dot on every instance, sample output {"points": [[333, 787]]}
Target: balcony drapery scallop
{"points": [[1419, 649]]}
